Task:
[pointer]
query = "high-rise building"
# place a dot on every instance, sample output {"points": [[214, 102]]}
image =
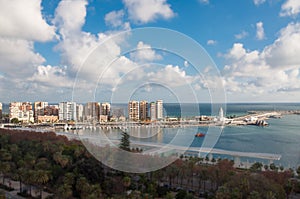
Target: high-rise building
{"points": [[43, 113], [133, 111], [105, 109], [51, 110], [143, 110], [153, 111], [91, 111], [21, 111], [39, 109], [79, 112], [159, 109], [0, 111], [67, 111]]}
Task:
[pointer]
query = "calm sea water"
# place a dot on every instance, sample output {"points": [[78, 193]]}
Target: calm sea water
{"points": [[282, 136]]}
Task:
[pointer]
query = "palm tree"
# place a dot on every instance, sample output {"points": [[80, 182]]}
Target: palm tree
{"points": [[64, 191], [21, 174], [41, 177], [4, 169], [83, 187], [29, 179]]}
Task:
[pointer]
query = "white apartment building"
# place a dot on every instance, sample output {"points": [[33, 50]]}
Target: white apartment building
{"points": [[153, 111], [0, 111], [133, 111], [159, 110], [79, 112], [143, 110], [67, 111], [105, 109], [21, 111]]}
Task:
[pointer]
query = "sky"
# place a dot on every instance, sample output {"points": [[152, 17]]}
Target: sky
{"points": [[175, 50]]}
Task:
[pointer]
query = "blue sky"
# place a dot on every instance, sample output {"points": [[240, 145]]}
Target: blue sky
{"points": [[53, 50]]}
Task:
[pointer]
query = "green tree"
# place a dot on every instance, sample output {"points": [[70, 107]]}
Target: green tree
{"points": [[273, 167], [257, 166], [64, 191], [41, 177], [14, 121], [4, 169], [181, 194], [125, 142]]}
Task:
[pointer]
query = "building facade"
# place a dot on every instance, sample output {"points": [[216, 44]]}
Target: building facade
{"points": [[143, 110], [91, 112], [105, 109], [21, 111], [153, 111], [47, 118], [79, 112], [159, 110], [39, 109], [133, 111], [44, 113], [67, 111], [0, 112]]}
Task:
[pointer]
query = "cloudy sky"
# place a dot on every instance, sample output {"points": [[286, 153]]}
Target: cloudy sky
{"points": [[104, 50]]}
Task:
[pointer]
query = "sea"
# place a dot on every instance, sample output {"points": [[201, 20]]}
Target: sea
{"points": [[281, 136]]}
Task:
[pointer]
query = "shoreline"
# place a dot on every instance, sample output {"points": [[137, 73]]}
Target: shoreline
{"points": [[257, 118]]}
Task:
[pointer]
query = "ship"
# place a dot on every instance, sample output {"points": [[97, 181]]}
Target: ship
{"points": [[199, 134]]}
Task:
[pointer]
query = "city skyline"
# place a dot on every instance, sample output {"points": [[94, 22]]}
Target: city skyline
{"points": [[44, 112], [45, 50]]}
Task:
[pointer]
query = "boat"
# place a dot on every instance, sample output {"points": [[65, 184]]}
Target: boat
{"points": [[199, 135]]}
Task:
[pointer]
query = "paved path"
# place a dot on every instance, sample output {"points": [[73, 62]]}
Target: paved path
{"points": [[35, 192]]}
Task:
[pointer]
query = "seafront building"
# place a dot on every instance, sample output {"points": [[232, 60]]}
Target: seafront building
{"points": [[22, 111], [0, 111], [39, 110], [45, 113], [143, 110], [91, 112], [153, 115], [67, 111], [79, 112], [105, 109], [159, 109], [133, 111]]}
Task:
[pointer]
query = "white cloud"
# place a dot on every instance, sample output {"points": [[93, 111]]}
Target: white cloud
{"points": [[144, 52], [51, 76], [18, 58], [211, 42], [290, 8], [241, 35], [141, 11], [275, 68], [114, 18], [23, 20], [171, 76], [260, 32], [259, 2], [70, 16], [88, 56], [204, 1], [284, 52]]}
